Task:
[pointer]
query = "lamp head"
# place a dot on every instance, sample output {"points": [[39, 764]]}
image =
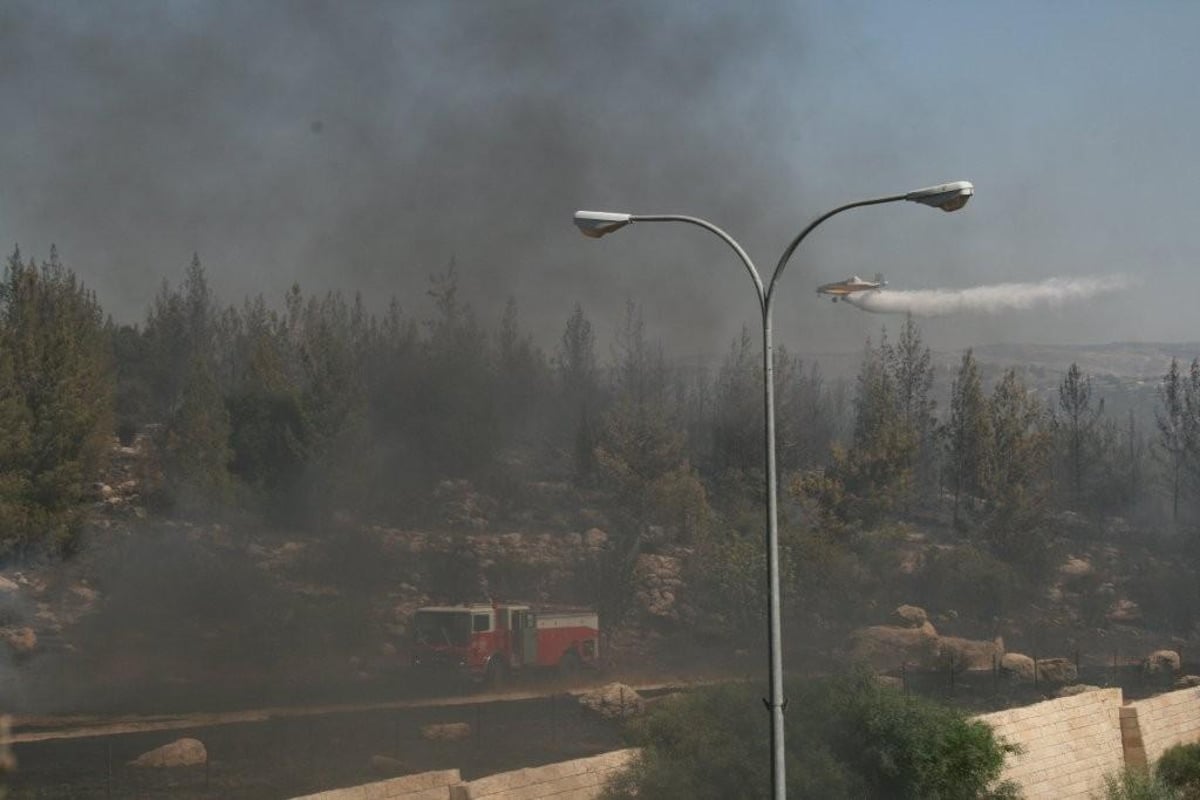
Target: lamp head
{"points": [[946, 196], [595, 224]]}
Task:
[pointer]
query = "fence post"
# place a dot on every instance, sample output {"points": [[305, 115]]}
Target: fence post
{"points": [[108, 769], [478, 724]]}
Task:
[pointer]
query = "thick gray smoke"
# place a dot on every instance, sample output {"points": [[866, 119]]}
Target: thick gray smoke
{"points": [[988, 299]]}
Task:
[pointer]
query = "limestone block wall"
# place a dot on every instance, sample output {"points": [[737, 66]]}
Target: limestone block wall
{"points": [[1151, 726], [581, 779], [422, 786], [1068, 745]]}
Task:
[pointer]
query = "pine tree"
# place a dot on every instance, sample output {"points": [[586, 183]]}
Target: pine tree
{"points": [[575, 365], [641, 465], [1077, 425], [1016, 477], [56, 392], [737, 427], [522, 376], [456, 412], [196, 450], [911, 366], [182, 336], [1171, 419], [1191, 427], [967, 433]]}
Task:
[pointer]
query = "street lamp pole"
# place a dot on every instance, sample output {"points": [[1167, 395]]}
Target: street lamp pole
{"points": [[594, 224]]}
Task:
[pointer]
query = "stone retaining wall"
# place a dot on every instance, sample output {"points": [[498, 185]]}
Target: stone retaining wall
{"points": [[1152, 726], [422, 786], [581, 779], [1068, 745]]}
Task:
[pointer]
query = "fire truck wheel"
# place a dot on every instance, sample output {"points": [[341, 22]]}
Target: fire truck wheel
{"points": [[568, 665], [497, 674]]}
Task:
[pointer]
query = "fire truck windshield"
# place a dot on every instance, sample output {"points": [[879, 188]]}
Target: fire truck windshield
{"points": [[443, 628]]}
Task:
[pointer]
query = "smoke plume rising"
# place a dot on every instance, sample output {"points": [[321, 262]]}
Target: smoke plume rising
{"points": [[988, 299]]}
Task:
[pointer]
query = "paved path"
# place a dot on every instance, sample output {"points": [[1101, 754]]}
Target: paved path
{"points": [[33, 728]]}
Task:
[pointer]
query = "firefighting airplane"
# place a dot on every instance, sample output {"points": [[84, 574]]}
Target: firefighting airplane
{"points": [[851, 286]]}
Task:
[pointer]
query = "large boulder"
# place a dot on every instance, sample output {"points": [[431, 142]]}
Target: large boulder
{"points": [[1161, 662], [446, 732], [1057, 670], [613, 701], [886, 647], [1017, 665], [1074, 689], [909, 616], [1187, 681], [179, 753], [962, 654], [594, 539]]}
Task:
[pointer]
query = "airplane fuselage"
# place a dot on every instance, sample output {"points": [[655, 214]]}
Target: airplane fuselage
{"points": [[850, 286]]}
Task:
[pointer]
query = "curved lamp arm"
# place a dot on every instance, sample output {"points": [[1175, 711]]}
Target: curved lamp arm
{"points": [[787, 253], [725, 237]]}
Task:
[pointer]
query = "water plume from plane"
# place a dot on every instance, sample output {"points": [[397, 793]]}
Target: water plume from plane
{"points": [[987, 299]]}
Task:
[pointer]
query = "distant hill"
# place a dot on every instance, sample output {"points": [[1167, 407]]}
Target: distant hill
{"points": [[1124, 374], [1144, 360]]}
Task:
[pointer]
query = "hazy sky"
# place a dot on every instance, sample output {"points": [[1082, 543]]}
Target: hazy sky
{"points": [[362, 146]]}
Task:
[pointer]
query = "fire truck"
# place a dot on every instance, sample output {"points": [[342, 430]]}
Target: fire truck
{"points": [[487, 642]]}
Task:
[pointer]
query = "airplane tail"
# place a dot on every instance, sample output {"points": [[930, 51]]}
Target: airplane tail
{"points": [[880, 279]]}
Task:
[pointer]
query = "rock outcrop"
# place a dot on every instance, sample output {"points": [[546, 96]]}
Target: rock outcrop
{"points": [[909, 616], [886, 647], [659, 581], [613, 701], [1017, 665], [1057, 670], [963, 654], [446, 732], [179, 753], [1161, 663]]}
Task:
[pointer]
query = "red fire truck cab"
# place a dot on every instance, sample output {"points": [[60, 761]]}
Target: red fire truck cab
{"points": [[487, 642]]}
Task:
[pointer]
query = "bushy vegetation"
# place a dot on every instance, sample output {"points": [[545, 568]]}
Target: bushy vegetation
{"points": [[1179, 768], [846, 738], [55, 404], [1137, 784]]}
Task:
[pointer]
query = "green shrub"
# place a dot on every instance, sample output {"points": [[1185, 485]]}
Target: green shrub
{"points": [[1179, 768], [846, 738], [1134, 784]]}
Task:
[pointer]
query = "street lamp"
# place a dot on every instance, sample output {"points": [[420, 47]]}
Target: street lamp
{"points": [[594, 224]]}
